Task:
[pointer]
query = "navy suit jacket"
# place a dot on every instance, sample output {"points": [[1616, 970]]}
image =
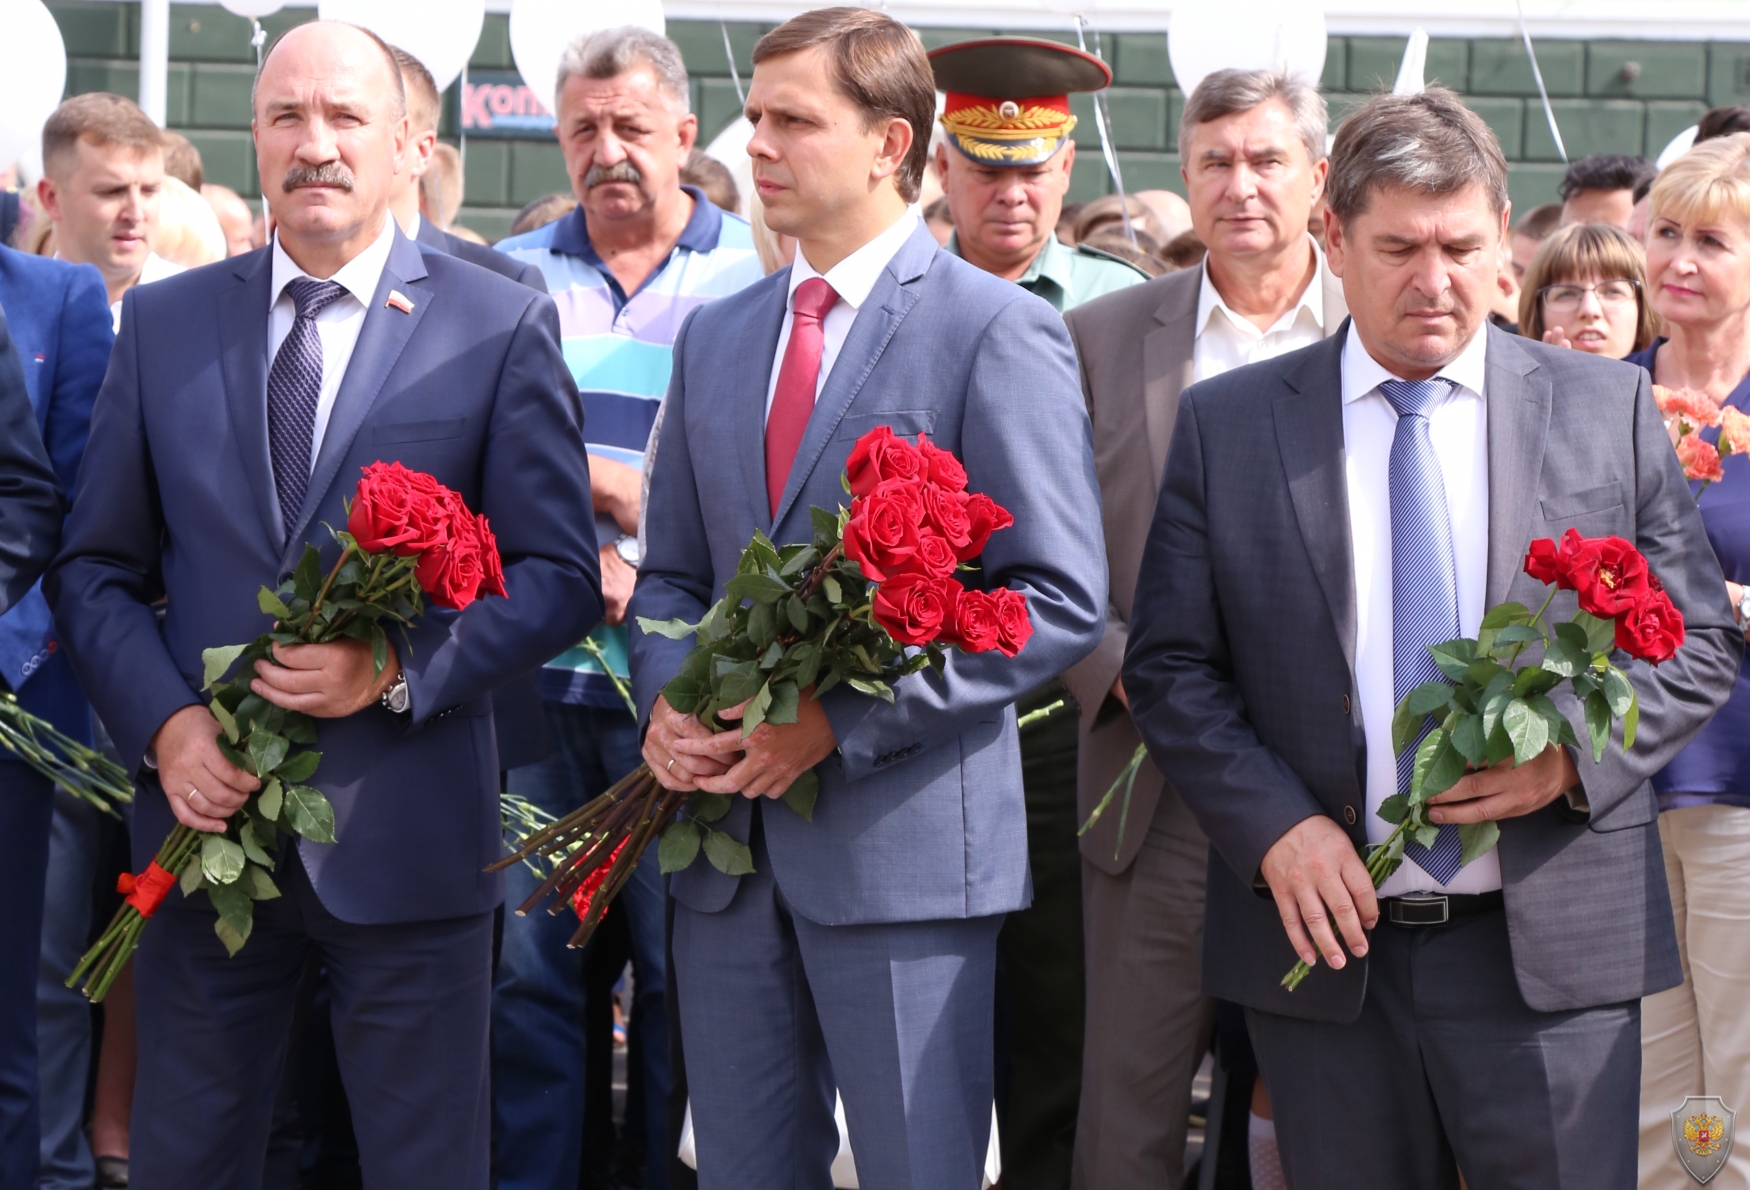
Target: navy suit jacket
{"points": [[60, 323], [178, 500], [31, 505], [520, 718], [920, 815]]}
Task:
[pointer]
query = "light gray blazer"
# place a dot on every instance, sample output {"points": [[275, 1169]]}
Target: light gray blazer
{"points": [[1240, 667], [920, 815]]}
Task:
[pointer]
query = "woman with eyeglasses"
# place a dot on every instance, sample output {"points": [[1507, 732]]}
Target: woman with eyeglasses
{"points": [[1695, 1038], [1586, 288]]}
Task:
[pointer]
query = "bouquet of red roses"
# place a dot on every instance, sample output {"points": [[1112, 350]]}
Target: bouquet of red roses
{"points": [[1487, 711], [407, 537], [872, 598]]}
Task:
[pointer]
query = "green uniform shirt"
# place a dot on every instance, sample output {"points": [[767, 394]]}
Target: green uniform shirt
{"points": [[1066, 277]]}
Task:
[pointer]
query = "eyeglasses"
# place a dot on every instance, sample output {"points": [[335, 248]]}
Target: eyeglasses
{"points": [[1565, 299]]}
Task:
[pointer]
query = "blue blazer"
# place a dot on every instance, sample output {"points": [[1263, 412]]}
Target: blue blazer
{"points": [[920, 815], [31, 505], [178, 500], [59, 318]]}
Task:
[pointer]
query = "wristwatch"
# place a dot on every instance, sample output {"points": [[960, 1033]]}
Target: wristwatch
{"points": [[396, 700], [1743, 608], [626, 545]]}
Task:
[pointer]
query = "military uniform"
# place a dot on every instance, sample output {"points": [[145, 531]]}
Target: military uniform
{"points": [[1008, 104]]}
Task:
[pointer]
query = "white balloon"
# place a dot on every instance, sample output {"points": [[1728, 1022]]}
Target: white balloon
{"points": [[440, 33], [253, 9], [1680, 144], [33, 72], [1271, 35], [541, 29]]}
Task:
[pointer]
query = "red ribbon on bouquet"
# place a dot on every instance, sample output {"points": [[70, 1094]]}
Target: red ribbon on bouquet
{"points": [[585, 894], [146, 891]]}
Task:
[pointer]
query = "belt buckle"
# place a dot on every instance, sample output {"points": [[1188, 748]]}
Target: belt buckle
{"points": [[1419, 909]]}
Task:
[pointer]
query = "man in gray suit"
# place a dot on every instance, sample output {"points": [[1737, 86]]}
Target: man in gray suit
{"points": [[1318, 511], [862, 948], [1253, 143]]}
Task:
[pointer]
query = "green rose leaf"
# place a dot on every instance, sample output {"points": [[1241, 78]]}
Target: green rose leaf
{"points": [[217, 662], [1600, 634], [226, 720], [710, 807], [1476, 838], [802, 793], [762, 625], [786, 699], [672, 629], [221, 859], [1500, 745], [761, 588], [252, 848], [1438, 766], [873, 688], [1527, 729], [192, 876], [272, 794], [272, 605], [310, 814], [1494, 699], [1395, 808], [679, 845], [1631, 721], [1598, 723], [1454, 657], [266, 750], [307, 578], [1518, 634], [798, 613], [1572, 634], [1429, 697], [258, 884], [1505, 614], [1426, 834], [298, 767], [737, 681], [834, 594], [1468, 738], [1564, 658], [755, 712], [798, 561], [236, 915], [726, 855], [1534, 680], [1619, 692]]}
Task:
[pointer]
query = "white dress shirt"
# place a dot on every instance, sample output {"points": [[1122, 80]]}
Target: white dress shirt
{"points": [[337, 325], [853, 279], [1459, 427], [1227, 340], [156, 268]]}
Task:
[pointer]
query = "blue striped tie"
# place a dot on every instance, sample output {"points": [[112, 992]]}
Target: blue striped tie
{"points": [[1424, 578], [294, 389]]}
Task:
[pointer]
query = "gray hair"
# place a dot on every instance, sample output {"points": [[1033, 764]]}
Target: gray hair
{"points": [[1228, 91], [1430, 142], [609, 53]]}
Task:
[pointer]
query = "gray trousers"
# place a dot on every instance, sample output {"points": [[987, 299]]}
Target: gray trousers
{"points": [[776, 1009], [1446, 1069], [1148, 1023]]}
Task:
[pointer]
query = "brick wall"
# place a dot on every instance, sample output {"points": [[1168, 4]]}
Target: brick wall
{"points": [[1609, 96]]}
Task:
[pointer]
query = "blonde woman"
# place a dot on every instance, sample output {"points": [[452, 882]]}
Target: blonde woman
{"points": [[1695, 1038], [1586, 288]]}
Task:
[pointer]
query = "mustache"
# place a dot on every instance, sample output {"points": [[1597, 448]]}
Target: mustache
{"points": [[599, 175], [332, 173]]}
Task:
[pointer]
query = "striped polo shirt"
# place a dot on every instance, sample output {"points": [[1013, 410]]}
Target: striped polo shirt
{"points": [[620, 348]]}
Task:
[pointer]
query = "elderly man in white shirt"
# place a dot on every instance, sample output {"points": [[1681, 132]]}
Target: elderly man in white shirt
{"points": [[1253, 146]]}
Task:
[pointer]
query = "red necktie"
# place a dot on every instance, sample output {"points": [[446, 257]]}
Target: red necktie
{"points": [[798, 376]]}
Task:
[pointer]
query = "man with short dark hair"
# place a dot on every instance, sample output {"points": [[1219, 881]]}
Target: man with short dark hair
{"points": [[1601, 188], [861, 949], [242, 402], [1324, 517]]}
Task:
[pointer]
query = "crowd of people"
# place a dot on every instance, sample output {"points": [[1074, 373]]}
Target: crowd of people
{"points": [[1247, 435]]}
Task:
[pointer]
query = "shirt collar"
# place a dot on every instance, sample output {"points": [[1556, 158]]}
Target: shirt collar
{"points": [[854, 277], [701, 234], [1311, 304], [1052, 263], [359, 275], [1362, 374]]}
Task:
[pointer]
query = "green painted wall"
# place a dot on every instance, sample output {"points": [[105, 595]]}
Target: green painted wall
{"points": [[1609, 96]]}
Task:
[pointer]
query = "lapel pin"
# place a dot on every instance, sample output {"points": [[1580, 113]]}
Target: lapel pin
{"points": [[399, 301]]}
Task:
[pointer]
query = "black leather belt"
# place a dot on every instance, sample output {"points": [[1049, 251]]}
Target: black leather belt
{"points": [[1436, 909]]}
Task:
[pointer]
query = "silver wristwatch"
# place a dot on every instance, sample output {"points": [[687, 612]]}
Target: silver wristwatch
{"points": [[396, 700], [1743, 608], [626, 545]]}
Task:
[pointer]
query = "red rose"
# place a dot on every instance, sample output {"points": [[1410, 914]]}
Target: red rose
{"points": [[940, 466], [976, 627], [882, 534], [945, 512], [1543, 563], [915, 607], [492, 582], [381, 508], [1652, 629], [934, 556], [986, 516], [1012, 618], [451, 573], [1609, 574], [878, 455]]}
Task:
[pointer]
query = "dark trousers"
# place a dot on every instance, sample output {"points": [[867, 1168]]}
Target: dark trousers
{"points": [[1448, 1069], [409, 1010], [26, 806], [1039, 965]]}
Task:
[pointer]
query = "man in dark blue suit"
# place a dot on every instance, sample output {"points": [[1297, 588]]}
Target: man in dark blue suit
{"points": [[242, 403], [30, 528], [60, 326]]}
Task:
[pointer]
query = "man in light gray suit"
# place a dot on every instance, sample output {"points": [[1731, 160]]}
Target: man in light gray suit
{"points": [[862, 948], [1253, 143], [1318, 512]]}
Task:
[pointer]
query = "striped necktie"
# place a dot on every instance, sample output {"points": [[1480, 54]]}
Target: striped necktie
{"points": [[294, 390], [1424, 578]]}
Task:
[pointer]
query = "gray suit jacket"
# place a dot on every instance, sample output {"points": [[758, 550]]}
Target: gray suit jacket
{"points": [[1135, 348], [920, 814], [1240, 667]]}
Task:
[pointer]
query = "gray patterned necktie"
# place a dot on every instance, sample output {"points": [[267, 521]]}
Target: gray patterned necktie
{"points": [[1424, 578], [294, 388]]}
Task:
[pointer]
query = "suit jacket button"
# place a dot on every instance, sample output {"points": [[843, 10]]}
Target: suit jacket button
{"points": [[1349, 814], [1345, 704]]}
